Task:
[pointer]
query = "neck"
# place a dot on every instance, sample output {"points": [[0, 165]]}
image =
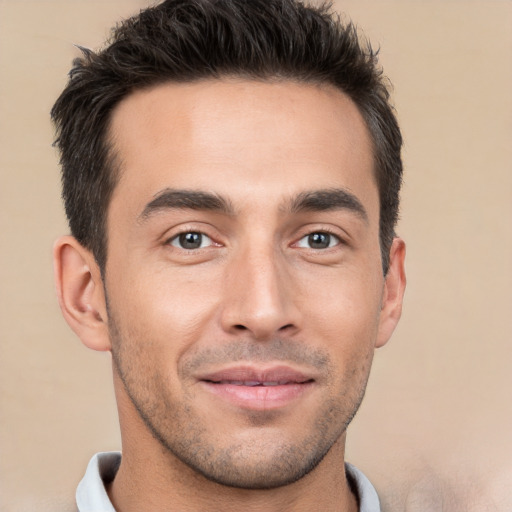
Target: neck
{"points": [[152, 478]]}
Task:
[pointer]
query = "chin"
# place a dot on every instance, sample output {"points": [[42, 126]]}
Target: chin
{"points": [[239, 468]]}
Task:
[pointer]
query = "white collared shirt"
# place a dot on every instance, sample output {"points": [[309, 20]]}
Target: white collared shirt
{"points": [[91, 495]]}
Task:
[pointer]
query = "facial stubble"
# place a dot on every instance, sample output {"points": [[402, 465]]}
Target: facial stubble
{"points": [[259, 461]]}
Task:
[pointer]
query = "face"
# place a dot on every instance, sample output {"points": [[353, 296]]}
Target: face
{"points": [[244, 280]]}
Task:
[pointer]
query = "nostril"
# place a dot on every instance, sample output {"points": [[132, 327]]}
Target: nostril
{"points": [[241, 327]]}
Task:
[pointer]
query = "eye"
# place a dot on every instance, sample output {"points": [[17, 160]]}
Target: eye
{"points": [[318, 240], [191, 240]]}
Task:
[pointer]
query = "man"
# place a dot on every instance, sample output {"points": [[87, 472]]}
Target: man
{"points": [[231, 171]]}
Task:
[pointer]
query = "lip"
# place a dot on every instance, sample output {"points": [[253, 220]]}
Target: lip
{"points": [[258, 388]]}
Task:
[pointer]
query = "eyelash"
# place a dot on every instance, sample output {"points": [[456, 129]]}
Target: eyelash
{"points": [[338, 240], [176, 239]]}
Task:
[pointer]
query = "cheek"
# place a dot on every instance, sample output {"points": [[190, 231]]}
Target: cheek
{"points": [[345, 308], [164, 309], [344, 320]]}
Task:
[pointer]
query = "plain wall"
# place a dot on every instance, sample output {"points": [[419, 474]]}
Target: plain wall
{"points": [[434, 431]]}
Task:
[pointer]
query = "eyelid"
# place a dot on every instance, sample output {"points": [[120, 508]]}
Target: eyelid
{"points": [[176, 238], [337, 240], [204, 230], [340, 235]]}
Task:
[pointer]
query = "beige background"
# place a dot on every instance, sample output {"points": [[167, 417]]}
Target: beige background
{"points": [[434, 432]]}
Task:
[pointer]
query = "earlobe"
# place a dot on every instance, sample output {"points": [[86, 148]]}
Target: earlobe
{"points": [[79, 287], [393, 292]]}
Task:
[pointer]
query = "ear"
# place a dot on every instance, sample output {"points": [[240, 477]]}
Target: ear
{"points": [[79, 287], [393, 292]]}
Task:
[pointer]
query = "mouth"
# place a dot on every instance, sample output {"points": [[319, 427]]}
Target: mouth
{"points": [[258, 389], [255, 382]]}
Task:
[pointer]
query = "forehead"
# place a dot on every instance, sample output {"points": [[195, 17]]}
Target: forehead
{"points": [[240, 139]]}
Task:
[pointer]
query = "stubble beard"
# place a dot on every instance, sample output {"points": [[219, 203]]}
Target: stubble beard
{"points": [[251, 464]]}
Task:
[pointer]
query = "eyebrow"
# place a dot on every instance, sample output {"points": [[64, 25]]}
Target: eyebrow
{"points": [[311, 201], [328, 199], [176, 199]]}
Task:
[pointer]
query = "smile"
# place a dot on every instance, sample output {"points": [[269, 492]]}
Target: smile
{"points": [[258, 389], [254, 383]]}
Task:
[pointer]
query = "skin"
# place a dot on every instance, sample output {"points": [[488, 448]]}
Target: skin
{"points": [[259, 293]]}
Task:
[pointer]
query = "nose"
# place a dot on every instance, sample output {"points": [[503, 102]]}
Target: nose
{"points": [[260, 296]]}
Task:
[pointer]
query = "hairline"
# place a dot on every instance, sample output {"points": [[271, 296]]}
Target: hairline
{"points": [[113, 161]]}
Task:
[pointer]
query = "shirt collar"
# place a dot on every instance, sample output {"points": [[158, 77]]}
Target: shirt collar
{"points": [[91, 495]]}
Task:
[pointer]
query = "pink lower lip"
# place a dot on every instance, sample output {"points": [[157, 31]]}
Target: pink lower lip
{"points": [[259, 397]]}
